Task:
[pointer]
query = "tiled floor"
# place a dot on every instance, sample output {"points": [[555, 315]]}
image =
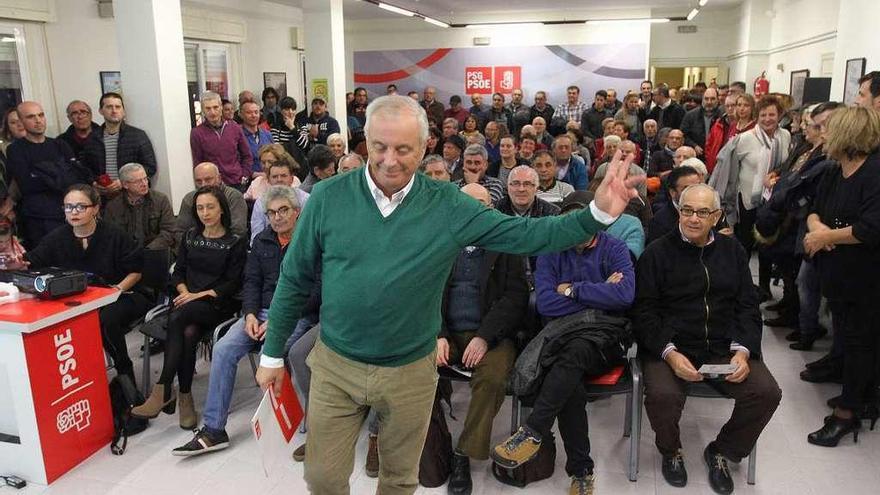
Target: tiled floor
{"points": [[786, 463]]}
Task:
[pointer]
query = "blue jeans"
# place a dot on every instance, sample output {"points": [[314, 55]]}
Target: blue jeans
{"points": [[229, 350], [810, 298]]}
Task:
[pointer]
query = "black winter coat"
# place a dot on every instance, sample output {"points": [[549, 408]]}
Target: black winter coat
{"points": [[134, 146]]}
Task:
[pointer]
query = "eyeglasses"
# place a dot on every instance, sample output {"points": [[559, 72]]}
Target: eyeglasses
{"points": [[280, 212], [516, 183], [687, 212], [78, 207], [138, 181]]}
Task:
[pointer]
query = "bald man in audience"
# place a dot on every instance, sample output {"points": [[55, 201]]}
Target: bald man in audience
{"points": [[351, 161], [543, 137], [485, 299], [681, 154], [662, 161], [206, 174]]}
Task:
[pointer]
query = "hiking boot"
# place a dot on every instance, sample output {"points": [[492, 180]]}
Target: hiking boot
{"points": [[518, 449], [582, 485], [204, 441], [372, 465]]}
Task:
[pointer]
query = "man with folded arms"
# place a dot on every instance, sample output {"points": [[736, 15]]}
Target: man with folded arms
{"points": [[695, 304], [386, 239]]}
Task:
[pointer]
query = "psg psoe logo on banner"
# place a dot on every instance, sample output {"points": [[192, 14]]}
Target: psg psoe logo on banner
{"points": [[77, 416], [507, 79], [478, 80]]}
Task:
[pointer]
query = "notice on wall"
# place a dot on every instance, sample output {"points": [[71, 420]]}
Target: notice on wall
{"points": [[320, 89], [487, 70]]}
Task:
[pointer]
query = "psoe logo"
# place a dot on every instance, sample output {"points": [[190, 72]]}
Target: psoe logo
{"points": [[77, 415]]}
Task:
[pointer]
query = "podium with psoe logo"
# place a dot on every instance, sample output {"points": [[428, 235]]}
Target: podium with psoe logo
{"points": [[54, 399]]}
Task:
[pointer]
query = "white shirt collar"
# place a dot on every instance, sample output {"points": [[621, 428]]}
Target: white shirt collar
{"points": [[387, 206], [685, 239]]}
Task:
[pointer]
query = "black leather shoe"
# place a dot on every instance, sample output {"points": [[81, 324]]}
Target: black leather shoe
{"points": [[834, 429], [792, 336], [825, 361], [804, 344], [822, 375], [460, 479], [673, 470], [719, 473]]}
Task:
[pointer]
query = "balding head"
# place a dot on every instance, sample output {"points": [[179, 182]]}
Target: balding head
{"points": [[479, 193], [246, 96], [682, 153], [206, 174], [33, 119], [674, 139]]}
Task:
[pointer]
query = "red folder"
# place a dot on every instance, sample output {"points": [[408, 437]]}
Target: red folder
{"points": [[610, 378]]}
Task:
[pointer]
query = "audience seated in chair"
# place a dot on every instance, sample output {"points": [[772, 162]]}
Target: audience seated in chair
{"points": [[594, 275], [143, 213], [260, 278], [279, 172], [207, 174], [110, 255], [207, 279], [696, 305], [484, 303]]}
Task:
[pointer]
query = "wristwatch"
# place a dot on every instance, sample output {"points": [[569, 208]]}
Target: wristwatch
{"points": [[569, 292]]}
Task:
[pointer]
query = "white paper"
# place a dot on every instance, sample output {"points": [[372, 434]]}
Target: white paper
{"points": [[717, 369], [275, 452], [466, 372]]}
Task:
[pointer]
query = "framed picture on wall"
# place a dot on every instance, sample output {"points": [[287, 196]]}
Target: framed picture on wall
{"points": [[855, 69], [277, 80], [797, 86], [111, 81]]}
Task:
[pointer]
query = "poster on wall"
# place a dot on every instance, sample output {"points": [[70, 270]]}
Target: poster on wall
{"points": [[111, 82], [277, 80], [487, 70], [320, 89], [855, 69]]}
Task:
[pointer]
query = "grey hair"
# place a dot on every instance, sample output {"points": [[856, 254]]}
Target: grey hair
{"points": [[336, 135], [649, 120], [716, 202], [429, 160], [126, 170], [476, 149], [209, 165], [394, 105], [349, 156], [612, 139], [696, 164], [524, 169], [209, 96], [557, 138], [450, 119], [281, 192], [478, 139]]}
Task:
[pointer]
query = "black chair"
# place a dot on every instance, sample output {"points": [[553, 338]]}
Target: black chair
{"points": [[155, 276], [630, 383], [706, 390]]}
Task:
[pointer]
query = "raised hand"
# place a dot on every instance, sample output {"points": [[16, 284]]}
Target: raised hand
{"points": [[616, 189]]}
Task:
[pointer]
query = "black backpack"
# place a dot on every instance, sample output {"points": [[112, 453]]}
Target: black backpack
{"points": [[436, 462], [537, 469], [123, 396]]}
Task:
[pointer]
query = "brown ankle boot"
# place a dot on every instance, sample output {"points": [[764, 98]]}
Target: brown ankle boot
{"points": [[162, 398], [189, 419], [372, 465]]}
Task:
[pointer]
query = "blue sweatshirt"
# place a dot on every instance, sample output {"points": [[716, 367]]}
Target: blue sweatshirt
{"points": [[588, 273]]}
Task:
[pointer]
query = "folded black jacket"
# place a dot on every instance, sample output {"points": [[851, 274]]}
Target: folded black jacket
{"points": [[700, 299]]}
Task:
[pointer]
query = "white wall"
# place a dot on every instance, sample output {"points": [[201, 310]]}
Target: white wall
{"points": [[856, 38], [802, 31], [79, 45], [717, 33]]}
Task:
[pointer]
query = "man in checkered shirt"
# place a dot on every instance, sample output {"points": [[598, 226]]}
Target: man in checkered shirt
{"points": [[573, 108]]}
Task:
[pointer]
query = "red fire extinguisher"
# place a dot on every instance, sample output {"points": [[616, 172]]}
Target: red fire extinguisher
{"points": [[762, 85]]}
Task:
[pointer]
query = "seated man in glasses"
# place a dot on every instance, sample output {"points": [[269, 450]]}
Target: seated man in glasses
{"points": [[695, 305]]}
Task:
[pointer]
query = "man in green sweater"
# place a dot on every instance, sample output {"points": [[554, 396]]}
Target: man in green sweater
{"points": [[386, 239]]}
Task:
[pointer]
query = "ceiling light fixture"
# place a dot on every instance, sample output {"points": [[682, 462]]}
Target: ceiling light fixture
{"points": [[703, 3], [624, 21], [505, 24], [693, 14], [435, 22], [396, 10]]}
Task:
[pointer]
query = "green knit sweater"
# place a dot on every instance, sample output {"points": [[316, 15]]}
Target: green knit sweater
{"points": [[383, 278]]}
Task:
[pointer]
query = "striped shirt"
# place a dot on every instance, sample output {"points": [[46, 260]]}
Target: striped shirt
{"points": [[111, 145], [283, 134]]}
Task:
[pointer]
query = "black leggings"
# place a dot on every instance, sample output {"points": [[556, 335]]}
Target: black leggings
{"points": [[115, 320], [186, 327]]}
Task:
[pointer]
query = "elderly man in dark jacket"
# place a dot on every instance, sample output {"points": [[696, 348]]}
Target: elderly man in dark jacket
{"points": [[696, 305], [484, 303], [595, 275]]}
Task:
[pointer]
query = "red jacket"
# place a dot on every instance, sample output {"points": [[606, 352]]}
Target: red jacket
{"points": [[719, 135]]}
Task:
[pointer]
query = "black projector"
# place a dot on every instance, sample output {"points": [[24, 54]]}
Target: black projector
{"points": [[48, 283]]}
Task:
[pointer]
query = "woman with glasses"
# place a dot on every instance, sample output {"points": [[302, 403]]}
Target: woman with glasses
{"points": [[207, 279], [108, 255]]}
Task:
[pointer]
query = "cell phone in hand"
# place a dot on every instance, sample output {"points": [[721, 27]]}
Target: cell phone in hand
{"points": [[715, 371]]}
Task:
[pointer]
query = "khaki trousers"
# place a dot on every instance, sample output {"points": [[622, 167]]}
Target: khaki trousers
{"points": [[342, 391], [488, 388]]}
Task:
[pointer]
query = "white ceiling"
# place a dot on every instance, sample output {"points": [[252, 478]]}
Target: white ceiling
{"points": [[472, 10]]}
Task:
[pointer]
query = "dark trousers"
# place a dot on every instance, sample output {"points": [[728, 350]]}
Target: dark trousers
{"points": [[755, 401], [744, 233], [857, 324], [115, 320], [562, 397], [187, 325], [789, 266]]}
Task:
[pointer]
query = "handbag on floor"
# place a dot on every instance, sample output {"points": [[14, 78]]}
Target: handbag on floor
{"points": [[537, 469], [123, 396]]}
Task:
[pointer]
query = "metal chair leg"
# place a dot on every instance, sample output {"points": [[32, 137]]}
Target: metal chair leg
{"points": [[753, 464], [514, 414], [634, 406], [627, 416], [145, 365]]}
